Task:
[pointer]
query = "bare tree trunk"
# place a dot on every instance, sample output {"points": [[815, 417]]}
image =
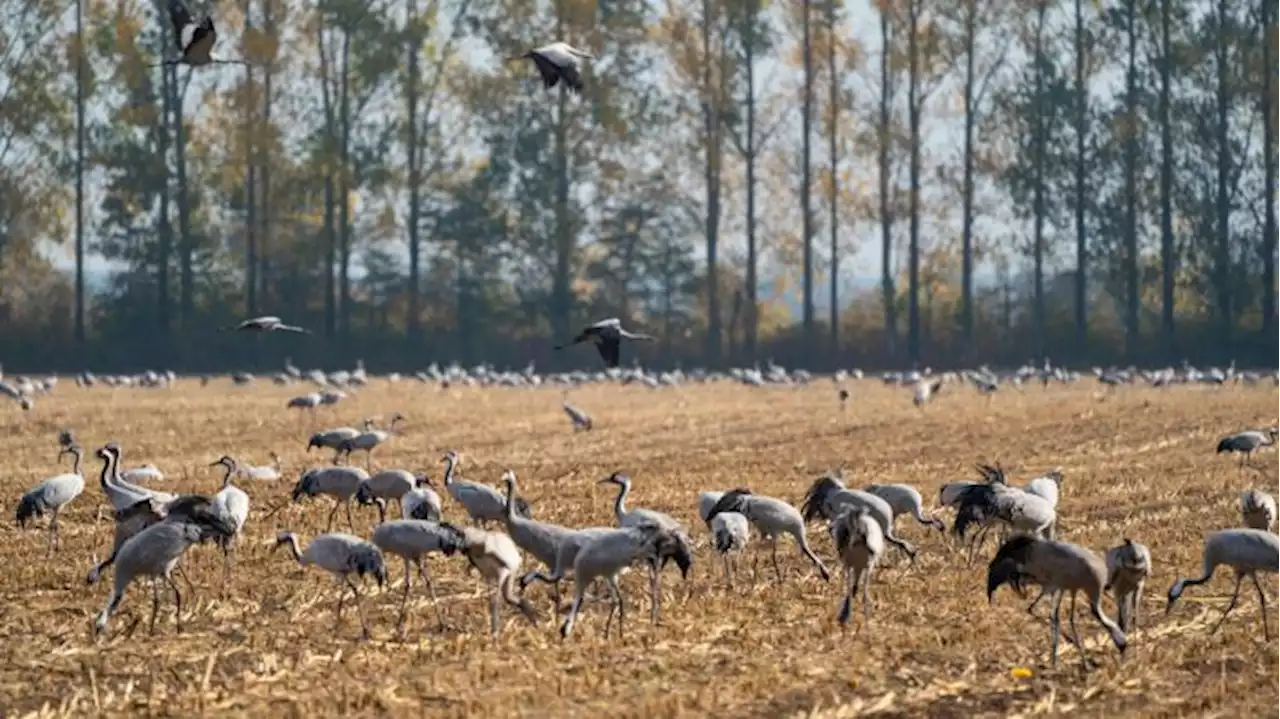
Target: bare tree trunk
{"points": [[1038, 139], [415, 173], [1131, 184], [805, 178], [186, 302], [1167, 267], [344, 185], [264, 163], [250, 186], [1082, 129], [1222, 269], [753, 300], [164, 230], [1266, 97], [561, 299], [834, 151], [913, 192], [966, 191], [80, 101], [885, 141], [711, 140], [330, 152]]}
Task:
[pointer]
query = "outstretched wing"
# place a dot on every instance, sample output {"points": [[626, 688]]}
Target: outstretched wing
{"points": [[550, 75], [200, 49], [179, 17], [572, 77], [609, 350]]}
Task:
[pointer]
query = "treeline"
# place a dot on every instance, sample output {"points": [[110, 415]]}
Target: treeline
{"points": [[1089, 181]]}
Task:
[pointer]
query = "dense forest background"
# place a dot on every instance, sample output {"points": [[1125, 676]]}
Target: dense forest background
{"points": [[825, 184]]}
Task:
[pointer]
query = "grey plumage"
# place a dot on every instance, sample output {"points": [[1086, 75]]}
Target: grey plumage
{"points": [[905, 499], [730, 535], [581, 420], [981, 504], [498, 560], [332, 439], [771, 517], [1246, 443], [1060, 568], [676, 546], [369, 440], [389, 484], [827, 498], [1247, 552], [412, 540], [570, 544], [1128, 567], [342, 555], [153, 552], [51, 496], [859, 543], [340, 483], [422, 502], [606, 555], [540, 539], [481, 502], [1258, 509], [706, 502]]}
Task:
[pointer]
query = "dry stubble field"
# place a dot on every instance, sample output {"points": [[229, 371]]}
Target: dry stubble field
{"points": [[1138, 464]]}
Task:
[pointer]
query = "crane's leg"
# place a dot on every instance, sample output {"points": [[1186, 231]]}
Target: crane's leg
{"points": [[655, 591], [846, 606], [617, 600], [866, 594], [1235, 596], [1075, 633], [777, 571], [332, 513], [55, 536], [493, 613], [364, 624], [177, 602], [382, 513], [580, 588], [431, 589], [342, 597], [368, 461], [1056, 626], [727, 578], [228, 548], [404, 599], [1137, 603], [350, 522], [1262, 600], [155, 604], [1032, 609]]}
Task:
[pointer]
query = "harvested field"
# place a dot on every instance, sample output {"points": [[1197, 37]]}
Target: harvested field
{"points": [[1138, 463]]}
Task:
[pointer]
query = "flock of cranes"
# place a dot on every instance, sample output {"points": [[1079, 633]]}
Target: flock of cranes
{"points": [[154, 529]]}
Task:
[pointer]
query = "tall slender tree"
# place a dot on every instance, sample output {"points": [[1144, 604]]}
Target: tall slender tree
{"points": [[1081, 135], [1266, 102], [1165, 119], [913, 189], [413, 40], [884, 143], [806, 179], [833, 103], [80, 159], [250, 186], [1130, 141], [1039, 152], [1223, 27]]}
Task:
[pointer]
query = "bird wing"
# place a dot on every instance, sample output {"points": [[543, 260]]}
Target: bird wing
{"points": [[610, 349], [546, 68], [612, 322], [199, 50], [180, 17], [572, 77]]}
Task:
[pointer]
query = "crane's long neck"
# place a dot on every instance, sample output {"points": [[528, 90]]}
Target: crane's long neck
{"points": [[511, 501], [620, 504], [226, 478], [79, 456], [108, 470], [448, 471]]}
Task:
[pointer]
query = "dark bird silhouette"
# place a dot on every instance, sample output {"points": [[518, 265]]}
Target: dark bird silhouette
{"points": [[607, 335], [194, 40], [267, 324], [555, 62]]}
